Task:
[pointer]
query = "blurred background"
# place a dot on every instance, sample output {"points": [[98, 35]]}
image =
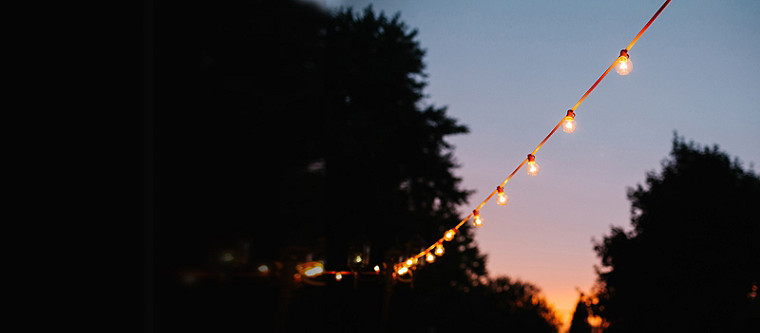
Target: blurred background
{"points": [[297, 133]]}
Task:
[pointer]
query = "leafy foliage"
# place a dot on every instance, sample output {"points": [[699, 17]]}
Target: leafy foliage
{"points": [[290, 134], [692, 257]]}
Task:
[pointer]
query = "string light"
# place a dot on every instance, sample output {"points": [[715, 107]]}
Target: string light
{"points": [[569, 126], [439, 249], [476, 220], [311, 269], [502, 198], [624, 64], [338, 276], [449, 235], [533, 167]]}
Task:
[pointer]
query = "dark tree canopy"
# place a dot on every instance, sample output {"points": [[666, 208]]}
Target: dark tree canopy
{"points": [[693, 256], [579, 323], [284, 134]]}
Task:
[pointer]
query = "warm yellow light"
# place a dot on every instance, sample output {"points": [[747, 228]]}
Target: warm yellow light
{"points": [[594, 321], [501, 197], [358, 259], [569, 126], [476, 220], [569, 122], [449, 235], [263, 269], [533, 167], [377, 268], [403, 270], [311, 269], [429, 257], [623, 65], [338, 276], [314, 271], [439, 250], [409, 262]]}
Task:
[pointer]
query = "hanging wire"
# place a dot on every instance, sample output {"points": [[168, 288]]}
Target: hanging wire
{"points": [[471, 215]]}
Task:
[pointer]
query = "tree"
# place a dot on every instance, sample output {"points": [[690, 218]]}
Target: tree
{"points": [[579, 323], [288, 134], [692, 257]]}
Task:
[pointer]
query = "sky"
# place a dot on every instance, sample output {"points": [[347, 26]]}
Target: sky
{"points": [[509, 70]]}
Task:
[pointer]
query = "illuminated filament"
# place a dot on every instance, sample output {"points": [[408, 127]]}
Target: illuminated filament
{"points": [[623, 65], [338, 276], [439, 249], [449, 235], [476, 220], [409, 262], [377, 268], [502, 197], [532, 165], [402, 270], [569, 125], [429, 257]]}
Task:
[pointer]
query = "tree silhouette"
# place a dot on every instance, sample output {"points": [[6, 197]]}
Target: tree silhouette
{"points": [[579, 323], [692, 258], [286, 134]]}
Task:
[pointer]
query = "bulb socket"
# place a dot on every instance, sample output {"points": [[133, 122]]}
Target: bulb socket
{"points": [[571, 114], [531, 158], [624, 53]]}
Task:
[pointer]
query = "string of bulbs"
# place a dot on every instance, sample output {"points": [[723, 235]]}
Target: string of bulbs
{"points": [[622, 66], [403, 270]]}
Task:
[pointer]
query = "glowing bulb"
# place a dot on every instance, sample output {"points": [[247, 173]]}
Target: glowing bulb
{"points": [[532, 165], [476, 220], [311, 272], [409, 262], [449, 235], [403, 270], [377, 268], [338, 276], [502, 197], [263, 269], [429, 257], [569, 125], [311, 269], [624, 64], [358, 259], [439, 250]]}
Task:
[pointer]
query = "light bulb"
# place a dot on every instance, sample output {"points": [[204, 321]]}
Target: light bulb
{"points": [[502, 197], [624, 64], [532, 165], [429, 257], [402, 270], [569, 125], [377, 268], [476, 220], [449, 235], [338, 276], [409, 262], [439, 250], [314, 271]]}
